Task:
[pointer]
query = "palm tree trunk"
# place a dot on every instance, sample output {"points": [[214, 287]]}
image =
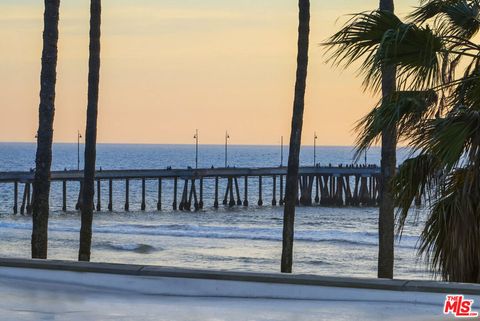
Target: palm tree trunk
{"points": [[43, 160], [295, 136], [388, 164], [91, 132]]}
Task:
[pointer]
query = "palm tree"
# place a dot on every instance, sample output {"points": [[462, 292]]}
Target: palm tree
{"points": [[43, 161], [91, 132], [438, 116], [374, 29], [386, 220], [446, 169], [291, 189]]}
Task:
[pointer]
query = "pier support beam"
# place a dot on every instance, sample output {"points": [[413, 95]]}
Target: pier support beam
{"points": [[348, 192], [260, 200], [183, 200], [306, 185], [200, 204], [215, 202], [99, 196], [232, 202], [225, 197], [127, 195], [110, 195], [245, 199], [64, 195], [237, 190], [29, 199], [24, 200], [15, 197], [193, 196], [159, 200], [339, 191], [364, 191], [274, 190], [281, 201], [144, 204], [175, 183]]}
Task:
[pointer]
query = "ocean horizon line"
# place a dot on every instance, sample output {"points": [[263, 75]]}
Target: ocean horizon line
{"points": [[186, 144]]}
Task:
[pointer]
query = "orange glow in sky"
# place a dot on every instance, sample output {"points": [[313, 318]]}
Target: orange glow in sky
{"points": [[169, 67]]}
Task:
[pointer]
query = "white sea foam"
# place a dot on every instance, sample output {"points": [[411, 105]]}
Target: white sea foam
{"points": [[226, 232]]}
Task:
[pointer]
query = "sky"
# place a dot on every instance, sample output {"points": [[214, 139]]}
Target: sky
{"points": [[172, 66]]}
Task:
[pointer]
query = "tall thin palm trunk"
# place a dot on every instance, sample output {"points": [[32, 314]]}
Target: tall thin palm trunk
{"points": [[388, 164], [295, 136], [91, 132], [43, 160]]}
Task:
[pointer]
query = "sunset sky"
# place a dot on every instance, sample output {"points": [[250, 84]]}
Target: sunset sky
{"points": [[171, 66]]}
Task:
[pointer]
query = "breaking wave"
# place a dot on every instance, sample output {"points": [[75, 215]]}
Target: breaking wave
{"points": [[352, 238]]}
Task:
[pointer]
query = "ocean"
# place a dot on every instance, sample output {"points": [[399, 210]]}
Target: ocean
{"points": [[329, 241]]}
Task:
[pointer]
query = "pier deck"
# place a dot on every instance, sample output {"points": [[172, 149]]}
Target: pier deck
{"points": [[328, 186], [191, 173]]}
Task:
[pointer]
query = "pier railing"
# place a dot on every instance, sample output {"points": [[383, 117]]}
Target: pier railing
{"points": [[327, 186]]}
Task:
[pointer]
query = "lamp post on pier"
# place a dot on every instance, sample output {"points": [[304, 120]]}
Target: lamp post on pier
{"points": [[227, 137], [315, 149], [196, 148], [78, 149]]}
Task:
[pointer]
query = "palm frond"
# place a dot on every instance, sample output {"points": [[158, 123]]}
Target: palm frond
{"points": [[417, 177], [417, 53], [448, 138], [360, 39], [404, 110], [450, 238], [452, 17], [467, 92], [379, 39]]}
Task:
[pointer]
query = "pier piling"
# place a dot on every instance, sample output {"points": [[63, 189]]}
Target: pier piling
{"points": [[110, 195], [237, 190], [260, 200], [225, 202], [281, 201], [245, 197], [15, 197], [232, 202], [175, 185], [159, 200], [317, 196], [274, 190], [64, 195], [183, 200], [99, 196], [127, 195], [24, 200], [215, 202], [143, 205], [200, 204], [29, 199]]}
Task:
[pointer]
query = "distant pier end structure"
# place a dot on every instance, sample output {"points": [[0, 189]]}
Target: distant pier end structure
{"points": [[228, 187]]}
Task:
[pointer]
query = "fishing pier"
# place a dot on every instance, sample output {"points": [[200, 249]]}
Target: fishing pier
{"points": [[228, 187]]}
